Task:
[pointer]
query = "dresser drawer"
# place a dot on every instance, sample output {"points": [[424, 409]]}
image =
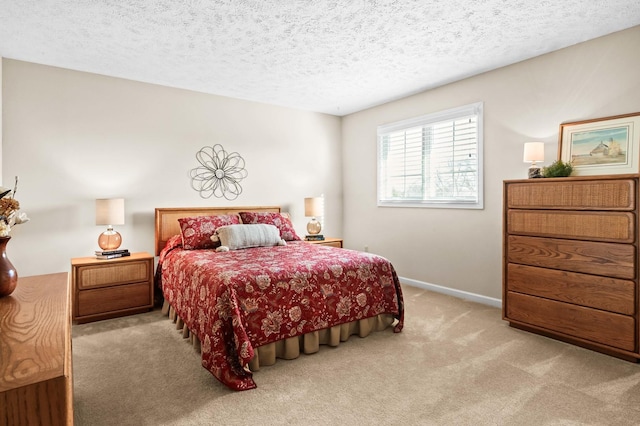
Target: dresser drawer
{"points": [[110, 299], [606, 259], [593, 291], [577, 321], [582, 225], [605, 194], [113, 273]]}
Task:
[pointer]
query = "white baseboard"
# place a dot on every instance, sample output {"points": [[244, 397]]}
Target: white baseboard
{"points": [[497, 303]]}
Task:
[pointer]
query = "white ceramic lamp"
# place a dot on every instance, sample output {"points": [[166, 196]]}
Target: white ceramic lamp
{"points": [[110, 212], [534, 151]]}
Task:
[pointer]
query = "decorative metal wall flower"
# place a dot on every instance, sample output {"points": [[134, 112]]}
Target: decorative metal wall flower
{"points": [[219, 174], [10, 210]]}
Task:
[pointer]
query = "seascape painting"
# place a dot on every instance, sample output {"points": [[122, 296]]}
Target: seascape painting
{"points": [[600, 147]]}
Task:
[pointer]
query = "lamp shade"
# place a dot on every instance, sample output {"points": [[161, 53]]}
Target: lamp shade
{"points": [[533, 151], [313, 206], [110, 211]]}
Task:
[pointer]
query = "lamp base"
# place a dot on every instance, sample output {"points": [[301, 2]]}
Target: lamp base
{"points": [[109, 240], [534, 172], [314, 227]]}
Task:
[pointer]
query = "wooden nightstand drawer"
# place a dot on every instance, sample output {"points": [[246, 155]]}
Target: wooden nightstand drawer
{"points": [[109, 299], [112, 274], [333, 242]]}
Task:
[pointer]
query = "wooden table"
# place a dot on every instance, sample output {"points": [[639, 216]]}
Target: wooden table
{"points": [[111, 288], [36, 386]]}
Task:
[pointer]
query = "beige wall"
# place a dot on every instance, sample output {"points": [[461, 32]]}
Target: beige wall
{"points": [[72, 137], [461, 249]]}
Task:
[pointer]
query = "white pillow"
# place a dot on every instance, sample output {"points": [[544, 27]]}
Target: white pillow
{"points": [[234, 237]]}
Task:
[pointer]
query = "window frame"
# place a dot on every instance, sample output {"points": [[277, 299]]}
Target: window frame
{"points": [[425, 120]]}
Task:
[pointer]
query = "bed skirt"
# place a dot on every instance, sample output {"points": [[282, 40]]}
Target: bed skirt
{"points": [[291, 347]]}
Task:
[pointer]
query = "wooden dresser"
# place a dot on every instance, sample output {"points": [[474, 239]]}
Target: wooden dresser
{"points": [[571, 260], [36, 386]]}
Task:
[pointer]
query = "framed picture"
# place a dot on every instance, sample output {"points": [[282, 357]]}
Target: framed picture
{"points": [[602, 146]]}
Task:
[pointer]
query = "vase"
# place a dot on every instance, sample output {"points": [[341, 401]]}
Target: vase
{"points": [[8, 273]]}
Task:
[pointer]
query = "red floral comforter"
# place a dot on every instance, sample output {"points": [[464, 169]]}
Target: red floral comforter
{"points": [[239, 300]]}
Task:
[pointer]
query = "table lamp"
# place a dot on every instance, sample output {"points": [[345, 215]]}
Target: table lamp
{"points": [[110, 212], [534, 151], [313, 207]]}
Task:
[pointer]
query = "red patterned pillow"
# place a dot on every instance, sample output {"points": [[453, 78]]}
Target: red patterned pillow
{"points": [[197, 231], [280, 220]]}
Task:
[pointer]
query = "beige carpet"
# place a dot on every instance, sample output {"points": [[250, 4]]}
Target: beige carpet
{"points": [[455, 363]]}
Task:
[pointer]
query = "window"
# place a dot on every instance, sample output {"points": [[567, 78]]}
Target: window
{"points": [[432, 161]]}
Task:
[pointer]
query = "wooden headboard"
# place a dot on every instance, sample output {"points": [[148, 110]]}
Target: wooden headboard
{"points": [[167, 218]]}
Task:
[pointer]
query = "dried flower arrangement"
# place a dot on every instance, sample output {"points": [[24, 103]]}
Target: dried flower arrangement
{"points": [[10, 214]]}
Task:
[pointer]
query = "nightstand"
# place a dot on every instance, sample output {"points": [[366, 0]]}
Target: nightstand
{"points": [[111, 288], [333, 242]]}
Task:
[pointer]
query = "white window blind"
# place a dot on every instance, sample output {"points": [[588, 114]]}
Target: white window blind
{"points": [[433, 160]]}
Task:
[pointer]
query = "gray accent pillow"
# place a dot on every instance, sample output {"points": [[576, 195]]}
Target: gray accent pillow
{"points": [[235, 237]]}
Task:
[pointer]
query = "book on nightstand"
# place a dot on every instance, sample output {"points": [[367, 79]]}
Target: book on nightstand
{"points": [[111, 254], [315, 237]]}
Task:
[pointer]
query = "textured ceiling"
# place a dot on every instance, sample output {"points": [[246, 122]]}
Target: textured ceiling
{"points": [[332, 56]]}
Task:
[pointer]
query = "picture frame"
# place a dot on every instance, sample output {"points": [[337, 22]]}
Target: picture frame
{"points": [[601, 146]]}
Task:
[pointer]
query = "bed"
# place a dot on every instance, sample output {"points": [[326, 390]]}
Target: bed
{"points": [[244, 308]]}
